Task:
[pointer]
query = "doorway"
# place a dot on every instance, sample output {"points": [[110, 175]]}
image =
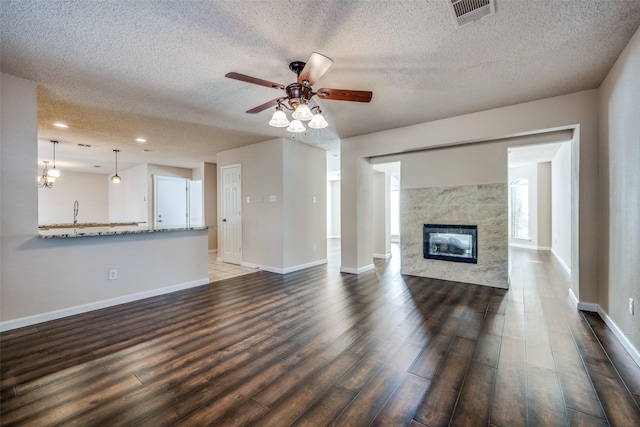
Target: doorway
{"points": [[232, 214]]}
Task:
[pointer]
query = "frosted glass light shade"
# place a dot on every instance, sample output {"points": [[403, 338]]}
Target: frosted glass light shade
{"points": [[318, 122], [53, 173], [279, 119], [302, 112], [296, 126], [116, 179]]}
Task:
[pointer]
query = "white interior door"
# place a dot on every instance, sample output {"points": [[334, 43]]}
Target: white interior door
{"points": [[232, 214], [170, 202]]}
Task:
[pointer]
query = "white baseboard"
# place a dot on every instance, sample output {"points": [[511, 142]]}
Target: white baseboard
{"points": [[633, 352], [532, 247], [356, 270], [382, 256], [561, 262], [574, 300], [333, 237], [284, 270], [78, 309]]}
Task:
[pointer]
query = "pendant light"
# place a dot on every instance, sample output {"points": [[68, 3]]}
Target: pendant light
{"points": [[53, 172], [115, 178]]}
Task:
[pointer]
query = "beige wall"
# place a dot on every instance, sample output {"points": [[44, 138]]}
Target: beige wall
{"points": [[305, 204], [211, 203], [55, 205], [262, 220], [620, 189], [282, 228], [42, 279], [575, 111]]}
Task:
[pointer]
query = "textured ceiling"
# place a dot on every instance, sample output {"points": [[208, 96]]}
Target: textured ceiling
{"points": [[118, 70]]}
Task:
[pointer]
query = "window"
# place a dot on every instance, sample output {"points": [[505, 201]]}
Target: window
{"points": [[520, 209]]}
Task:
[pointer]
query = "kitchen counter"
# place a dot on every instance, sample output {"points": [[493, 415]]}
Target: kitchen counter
{"points": [[70, 231], [89, 224]]}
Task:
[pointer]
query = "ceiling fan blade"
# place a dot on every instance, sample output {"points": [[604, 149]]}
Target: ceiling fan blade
{"points": [[254, 80], [316, 66], [345, 95], [266, 105]]}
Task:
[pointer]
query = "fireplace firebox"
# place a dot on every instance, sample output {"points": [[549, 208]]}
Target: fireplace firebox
{"points": [[448, 242]]}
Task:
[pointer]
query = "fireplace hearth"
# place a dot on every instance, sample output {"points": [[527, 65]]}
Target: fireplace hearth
{"points": [[449, 242]]}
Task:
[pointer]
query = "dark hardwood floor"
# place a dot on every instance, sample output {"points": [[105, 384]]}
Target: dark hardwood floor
{"points": [[317, 347]]}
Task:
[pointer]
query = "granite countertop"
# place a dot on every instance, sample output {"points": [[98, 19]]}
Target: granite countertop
{"points": [[106, 230], [89, 224]]}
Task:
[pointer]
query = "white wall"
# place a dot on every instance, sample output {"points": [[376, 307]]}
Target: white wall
{"points": [[43, 279], [561, 206], [538, 176], [530, 173], [129, 200], [544, 205], [55, 205], [333, 209], [620, 188], [381, 217]]}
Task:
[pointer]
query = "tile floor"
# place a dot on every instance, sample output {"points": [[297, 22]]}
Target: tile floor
{"points": [[219, 270]]}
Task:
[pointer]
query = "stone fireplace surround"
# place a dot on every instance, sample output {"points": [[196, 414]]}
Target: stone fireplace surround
{"points": [[484, 205]]}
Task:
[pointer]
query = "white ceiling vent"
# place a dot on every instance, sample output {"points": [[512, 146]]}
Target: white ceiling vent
{"points": [[466, 11]]}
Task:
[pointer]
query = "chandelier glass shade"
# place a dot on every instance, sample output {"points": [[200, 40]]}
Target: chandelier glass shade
{"points": [[279, 118], [318, 121], [302, 113], [296, 126]]}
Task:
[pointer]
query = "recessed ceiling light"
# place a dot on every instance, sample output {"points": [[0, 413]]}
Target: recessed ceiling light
{"points": [[141, 140], [61, 125]]}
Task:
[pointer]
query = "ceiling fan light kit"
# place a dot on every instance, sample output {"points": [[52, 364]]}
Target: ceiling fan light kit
{"points": [[299, 95]]}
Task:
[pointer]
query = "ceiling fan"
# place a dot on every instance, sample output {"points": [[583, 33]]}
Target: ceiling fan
{"points": [[299, 94]]}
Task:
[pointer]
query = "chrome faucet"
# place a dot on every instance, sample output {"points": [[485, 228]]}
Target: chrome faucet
{"points": [[76, 206]]}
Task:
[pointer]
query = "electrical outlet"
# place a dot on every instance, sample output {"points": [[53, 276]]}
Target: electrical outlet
{"points": [[113, 274], [631, 306]]}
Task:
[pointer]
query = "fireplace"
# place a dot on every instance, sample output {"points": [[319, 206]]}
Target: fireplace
{"points": [[457, 243]]}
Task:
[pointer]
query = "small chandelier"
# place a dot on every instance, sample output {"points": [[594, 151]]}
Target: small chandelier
{"points": [[115, 178], [301, 113], [49, 176], [46, 180]]}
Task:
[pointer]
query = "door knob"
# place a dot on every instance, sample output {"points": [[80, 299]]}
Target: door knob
{"points": [[224, 219]]}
